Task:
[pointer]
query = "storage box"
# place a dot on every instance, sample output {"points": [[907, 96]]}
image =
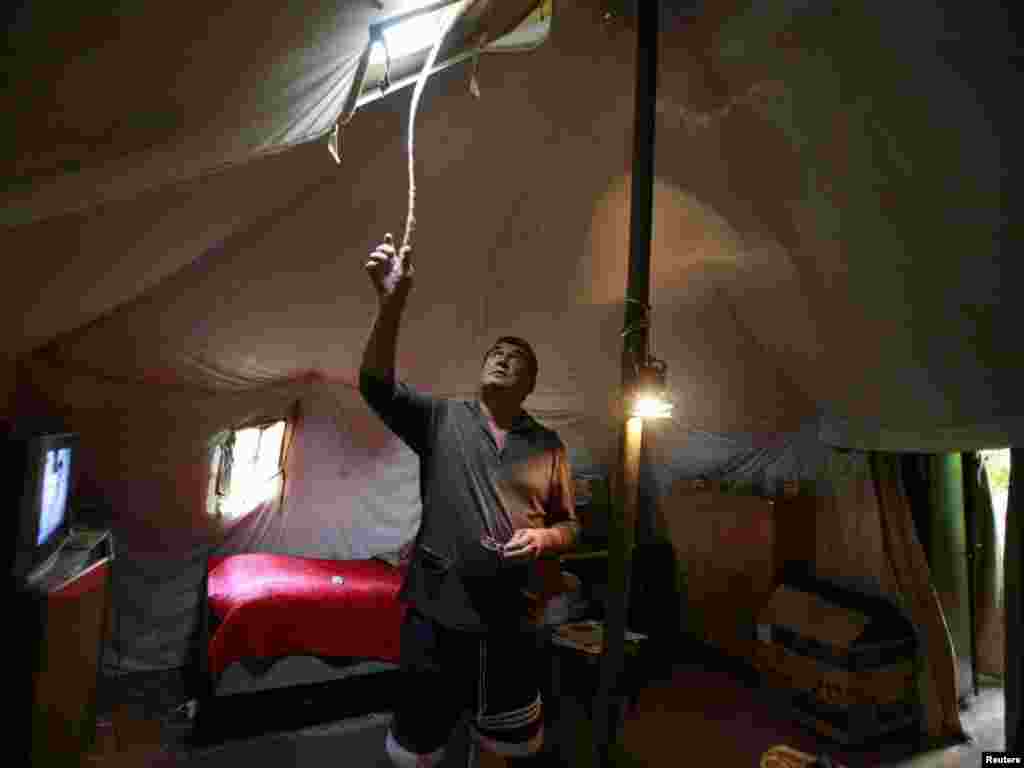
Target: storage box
{"points": [[844, 662]]}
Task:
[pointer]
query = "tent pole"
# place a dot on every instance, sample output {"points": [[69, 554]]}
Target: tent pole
{"points": [[970, 464], [634, 353]]}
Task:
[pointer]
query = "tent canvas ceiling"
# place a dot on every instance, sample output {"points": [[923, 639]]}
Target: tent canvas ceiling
{"points": [[829, 230]]}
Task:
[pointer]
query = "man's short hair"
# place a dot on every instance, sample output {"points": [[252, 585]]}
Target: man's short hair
{"points": [[524, 345]]}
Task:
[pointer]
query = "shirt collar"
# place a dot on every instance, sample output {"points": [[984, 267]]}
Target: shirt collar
{"points": [[524, 424]]}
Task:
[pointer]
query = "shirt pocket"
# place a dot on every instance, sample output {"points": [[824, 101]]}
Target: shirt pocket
{"points": [[434, 568]]}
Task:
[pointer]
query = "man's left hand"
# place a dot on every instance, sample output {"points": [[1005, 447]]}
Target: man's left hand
{"points": [[528, 544]]}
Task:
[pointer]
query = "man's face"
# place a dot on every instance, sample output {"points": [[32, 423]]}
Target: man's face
{"points": [[506, 367]]}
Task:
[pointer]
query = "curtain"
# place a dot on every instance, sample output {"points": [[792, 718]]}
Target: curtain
{"points": [[913, 578], [989, 616], [915, 471], [947, 559]]}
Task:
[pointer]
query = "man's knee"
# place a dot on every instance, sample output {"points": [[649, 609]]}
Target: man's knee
{"points": [[402, 758]]}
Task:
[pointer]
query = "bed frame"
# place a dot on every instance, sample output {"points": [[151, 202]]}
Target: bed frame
{"points": [[256, 695]]}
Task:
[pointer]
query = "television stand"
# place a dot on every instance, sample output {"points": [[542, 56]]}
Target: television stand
{"points": [[65, 608], [79, 551]]}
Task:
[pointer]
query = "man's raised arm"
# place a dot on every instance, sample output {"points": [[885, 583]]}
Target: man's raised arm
{"points": [[391, 274]]}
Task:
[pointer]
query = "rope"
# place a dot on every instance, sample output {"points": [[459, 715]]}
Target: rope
{"points": [[446, 25]]}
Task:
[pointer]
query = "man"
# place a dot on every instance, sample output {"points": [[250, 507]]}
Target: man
{"points": [[497, 497]]}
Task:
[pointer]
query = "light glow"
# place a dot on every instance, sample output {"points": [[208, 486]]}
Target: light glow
{"points": [[649, 407]]}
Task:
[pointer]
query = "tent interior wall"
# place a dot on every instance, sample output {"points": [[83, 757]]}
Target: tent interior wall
{"points": [[829, 267]]}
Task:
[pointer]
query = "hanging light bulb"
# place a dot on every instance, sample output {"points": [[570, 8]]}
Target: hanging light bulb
{"points": [[652, 408], [650, 395]]}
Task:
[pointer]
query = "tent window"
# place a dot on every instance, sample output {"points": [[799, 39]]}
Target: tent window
{"points": [[409, 41], [245, 469], [413, 35]]}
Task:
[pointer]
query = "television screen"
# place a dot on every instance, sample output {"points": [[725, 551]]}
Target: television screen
{"points": [[44, 497], [53, 504]]}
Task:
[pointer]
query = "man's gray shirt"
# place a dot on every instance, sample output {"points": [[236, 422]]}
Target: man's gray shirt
{"points": [[470, 489]]}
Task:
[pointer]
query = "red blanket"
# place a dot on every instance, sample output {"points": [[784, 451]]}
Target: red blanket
{"points": [[278, 605]]}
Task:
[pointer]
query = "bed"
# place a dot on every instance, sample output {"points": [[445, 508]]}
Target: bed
{"points": [[306, 639]]}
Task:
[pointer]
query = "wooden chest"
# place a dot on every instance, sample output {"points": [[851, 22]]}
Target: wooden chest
{"points": [[843, 663]]}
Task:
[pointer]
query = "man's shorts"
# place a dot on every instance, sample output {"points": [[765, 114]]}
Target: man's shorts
{"points": [[447, 672]]}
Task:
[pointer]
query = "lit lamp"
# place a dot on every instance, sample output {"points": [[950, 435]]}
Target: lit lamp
{"points": [[650, 394]]}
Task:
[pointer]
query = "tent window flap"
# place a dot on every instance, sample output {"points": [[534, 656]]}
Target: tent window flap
{"points": [[398, 61]]}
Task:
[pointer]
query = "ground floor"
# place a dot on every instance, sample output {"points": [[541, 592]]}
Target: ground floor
{"points": [[703, 711]]}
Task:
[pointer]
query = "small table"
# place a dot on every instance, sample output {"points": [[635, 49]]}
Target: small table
{"points": [[574, 650]]}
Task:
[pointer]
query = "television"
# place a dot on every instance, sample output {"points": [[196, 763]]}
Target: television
{"points": [[44, 471]]}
